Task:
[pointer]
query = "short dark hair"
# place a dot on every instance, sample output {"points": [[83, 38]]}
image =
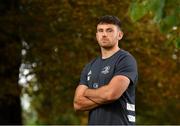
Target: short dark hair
{"points": [[109, 19]]}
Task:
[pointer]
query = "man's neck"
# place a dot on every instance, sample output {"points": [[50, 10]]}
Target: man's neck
{"points": [[106, 53]]}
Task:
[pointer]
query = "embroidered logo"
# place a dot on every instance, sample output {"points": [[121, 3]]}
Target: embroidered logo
{"points": [[89, 72], [105, 70], [89, 75]]}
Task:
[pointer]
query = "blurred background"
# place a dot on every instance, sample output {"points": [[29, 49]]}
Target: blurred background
{"points": [[44, 44]]}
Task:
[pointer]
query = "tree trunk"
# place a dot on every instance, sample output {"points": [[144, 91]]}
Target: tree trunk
{"points": [[10, 60]]}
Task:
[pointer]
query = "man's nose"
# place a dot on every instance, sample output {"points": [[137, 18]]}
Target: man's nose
{"points": [[104, 33]]}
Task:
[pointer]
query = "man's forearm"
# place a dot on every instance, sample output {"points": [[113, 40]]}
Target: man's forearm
{"points": [[110, 92], [101, 95], [83, 104]]}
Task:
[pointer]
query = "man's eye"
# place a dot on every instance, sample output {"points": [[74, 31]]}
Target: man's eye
{"points": [[109, 30], [100, 30]]}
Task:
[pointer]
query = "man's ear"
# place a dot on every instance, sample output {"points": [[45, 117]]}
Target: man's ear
{"points": [[120, 36]]}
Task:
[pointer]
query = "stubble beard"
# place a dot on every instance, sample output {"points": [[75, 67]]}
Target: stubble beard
{"points": [[107, 47]]}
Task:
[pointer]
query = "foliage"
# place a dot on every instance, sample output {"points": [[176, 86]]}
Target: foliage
{"points": [[160, 68], [166, 13]]}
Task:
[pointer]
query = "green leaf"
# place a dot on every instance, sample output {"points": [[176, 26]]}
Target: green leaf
{"points": [[138, 10], [167, 23], [157, 7]]}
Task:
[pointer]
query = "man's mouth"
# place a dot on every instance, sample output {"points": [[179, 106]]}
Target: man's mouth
{"points": [[105, 39]]}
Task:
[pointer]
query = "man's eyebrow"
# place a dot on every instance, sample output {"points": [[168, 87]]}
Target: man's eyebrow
{"points": [[105, 28], [108, 28]]}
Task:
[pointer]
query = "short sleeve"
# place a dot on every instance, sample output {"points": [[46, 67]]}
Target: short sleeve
{"points": [[83, 78], [127, 66]]}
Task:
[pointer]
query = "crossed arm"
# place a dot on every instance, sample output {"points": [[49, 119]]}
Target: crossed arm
{"points": [[87, 99]]}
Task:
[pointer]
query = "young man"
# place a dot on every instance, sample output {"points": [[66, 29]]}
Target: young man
{"points": [[107, 83]]}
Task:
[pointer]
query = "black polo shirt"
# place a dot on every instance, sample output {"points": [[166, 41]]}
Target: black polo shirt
{"points": [[99, 72]]}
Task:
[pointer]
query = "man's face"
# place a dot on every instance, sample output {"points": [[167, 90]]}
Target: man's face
{"points": [[108, 35]]}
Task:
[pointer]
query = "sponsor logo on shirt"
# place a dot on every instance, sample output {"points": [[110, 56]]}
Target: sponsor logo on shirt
{"points": [[105, 70], [130, 107], [131, 118]]}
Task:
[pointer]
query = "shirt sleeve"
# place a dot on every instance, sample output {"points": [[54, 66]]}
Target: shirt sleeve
{"points": [[83, 78], [127, 66]]}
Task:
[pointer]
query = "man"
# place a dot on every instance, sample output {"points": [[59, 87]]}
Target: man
{"points": [[107, 84]]}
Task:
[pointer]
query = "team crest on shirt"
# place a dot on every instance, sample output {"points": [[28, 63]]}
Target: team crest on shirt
{"points": [[105, 70]]}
